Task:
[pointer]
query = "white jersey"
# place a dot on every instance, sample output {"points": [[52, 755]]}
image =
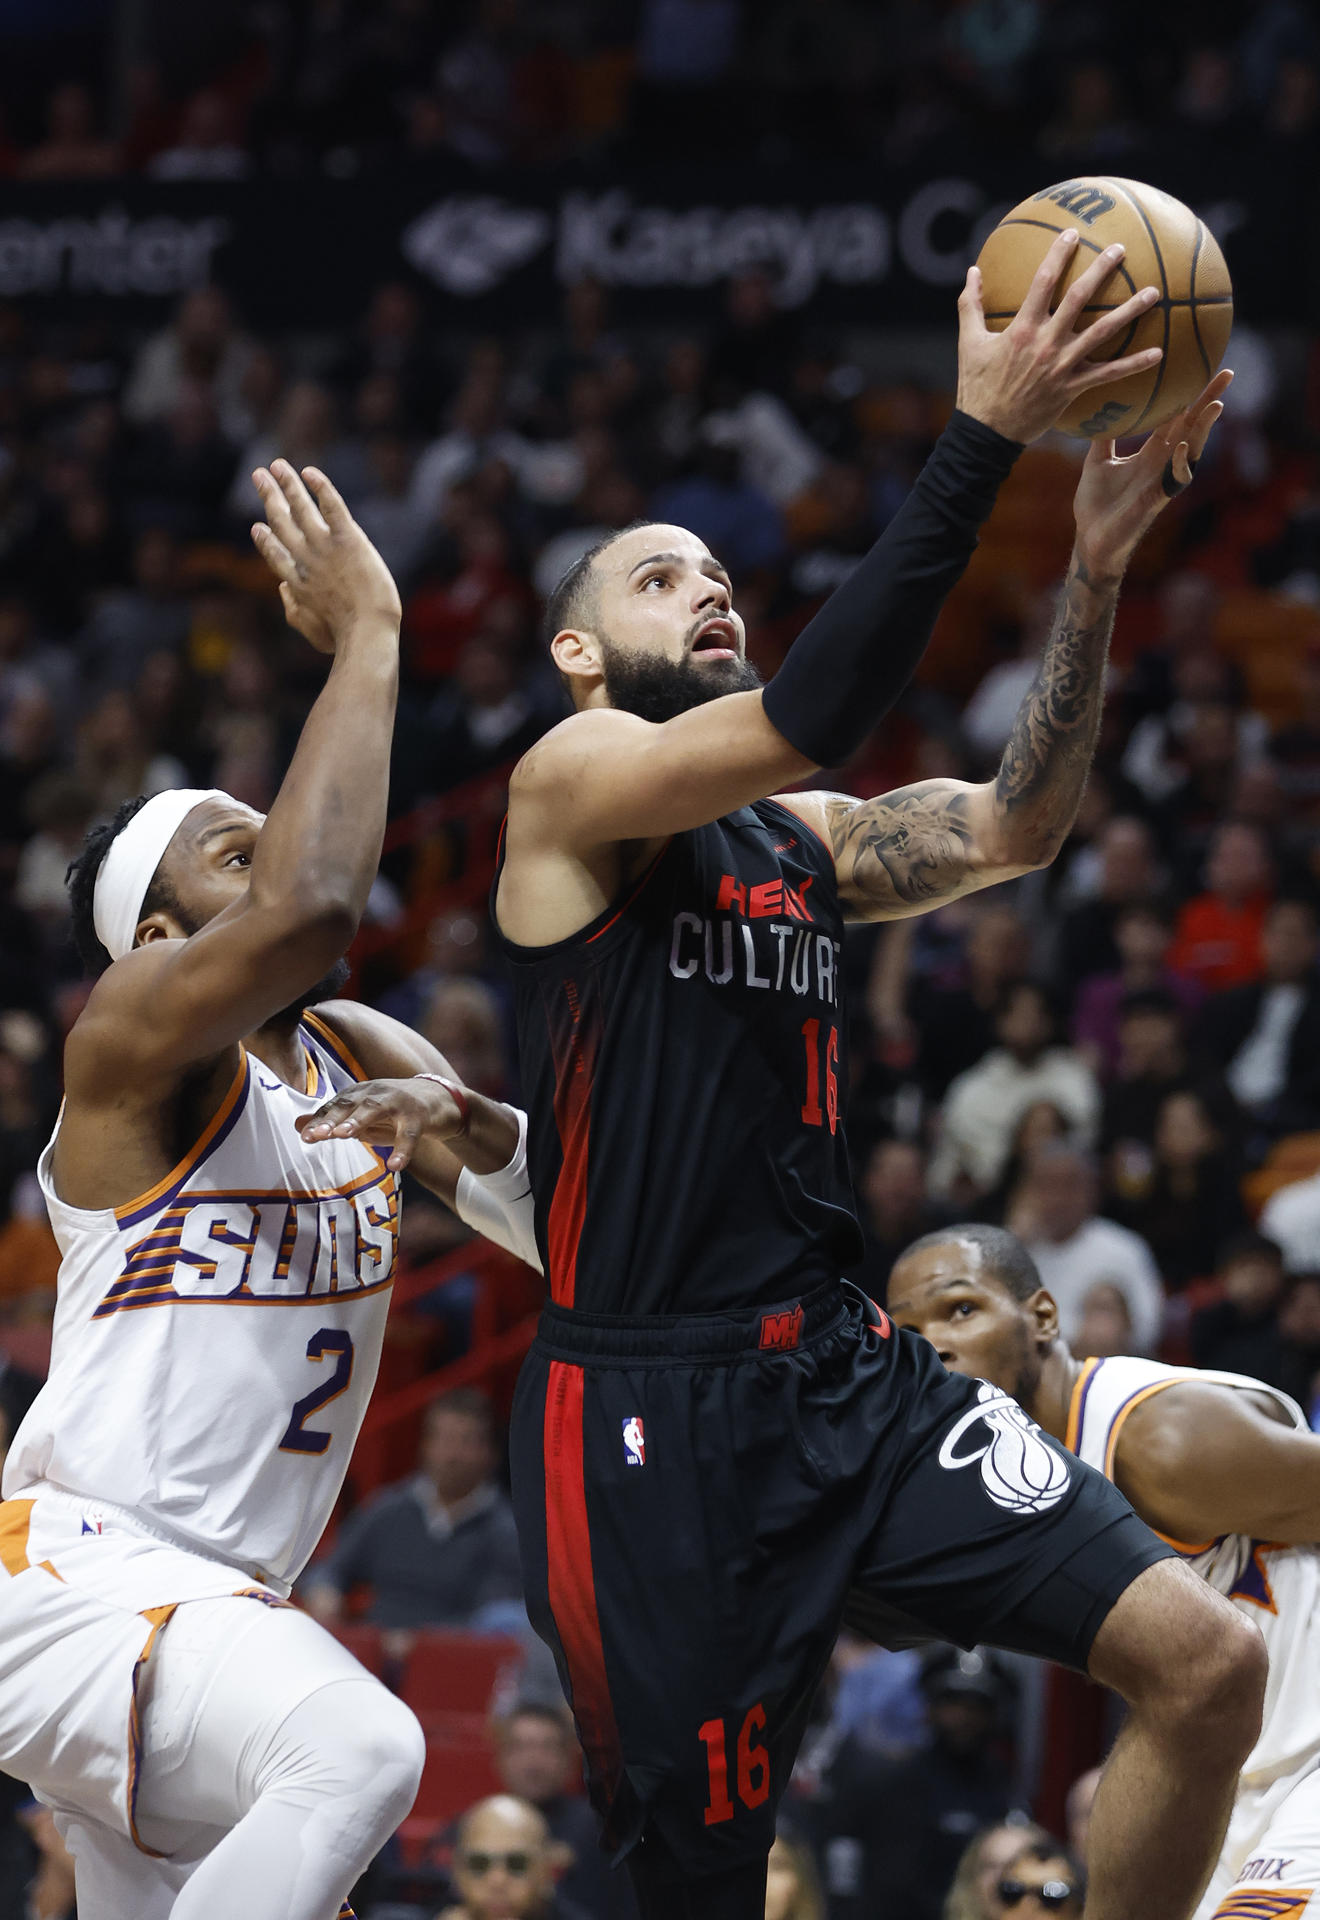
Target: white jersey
{"points": [[216, 1340], [1278, 1587]]}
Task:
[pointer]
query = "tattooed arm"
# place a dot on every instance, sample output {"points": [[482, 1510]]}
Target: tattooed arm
{"points": [[906, 852], [909, 851]]}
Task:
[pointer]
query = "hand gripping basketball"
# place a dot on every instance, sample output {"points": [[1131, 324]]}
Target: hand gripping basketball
{"points": [[1022, 380]]}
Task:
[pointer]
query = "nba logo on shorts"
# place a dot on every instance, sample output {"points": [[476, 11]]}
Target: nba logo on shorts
{"points": [[634, 1441]]}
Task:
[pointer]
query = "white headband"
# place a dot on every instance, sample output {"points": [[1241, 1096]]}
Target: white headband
{"points": [[135, 853]]}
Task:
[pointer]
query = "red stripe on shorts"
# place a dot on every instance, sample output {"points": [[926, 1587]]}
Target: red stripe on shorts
{"points": [[571, 1583]]}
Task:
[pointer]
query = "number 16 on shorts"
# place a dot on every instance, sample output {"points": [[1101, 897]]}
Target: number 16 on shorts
{"points": [[752, 1765]]}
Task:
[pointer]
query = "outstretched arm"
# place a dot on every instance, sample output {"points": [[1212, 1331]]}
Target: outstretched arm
{"points": [[906, 852]]}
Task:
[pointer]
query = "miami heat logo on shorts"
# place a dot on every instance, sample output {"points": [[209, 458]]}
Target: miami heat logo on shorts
{"points": [[1020, 1471]]}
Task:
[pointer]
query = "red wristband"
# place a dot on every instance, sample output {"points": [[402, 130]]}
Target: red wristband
{"points": [[459, 1094]]}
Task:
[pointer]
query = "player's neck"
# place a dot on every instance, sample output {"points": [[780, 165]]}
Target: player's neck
{"points": [[278, 1045], [1053, 1396]]}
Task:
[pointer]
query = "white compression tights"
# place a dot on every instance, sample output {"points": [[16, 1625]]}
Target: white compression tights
{"points": [[273, 1769]]}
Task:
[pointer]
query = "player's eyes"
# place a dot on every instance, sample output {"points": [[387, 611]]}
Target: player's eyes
{"points": [[243, 859], [961, 1309], [655, 580]]}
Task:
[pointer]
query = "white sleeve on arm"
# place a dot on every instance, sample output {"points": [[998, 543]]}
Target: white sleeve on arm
{"points": [[500, 1205]]}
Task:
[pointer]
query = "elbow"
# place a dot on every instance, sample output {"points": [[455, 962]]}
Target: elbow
{"points": [[318, 924]]}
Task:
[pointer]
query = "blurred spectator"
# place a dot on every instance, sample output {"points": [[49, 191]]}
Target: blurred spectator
{"points": [[1265, 1037], [897, 1828], [1128, 874], [114, 758], [488, 713], [184, 465], [972, 1895], [1081, 1800], [953, 1012], [438, 1549], [1143, 935], [1153, 1062], [208, 146], [1104, 1326], [895, 1209], [738, 521], [505, 1865], [1239, 1332], [1291, 1217], [393, 344], [1218, 941], [985, 1104], [1189, 1206], [72, 148], [305, 433], [462, 1020], [387, 511], [792, 1890], [1295, 747], [1054, 1212], [539, 1761], [1042, 1880], [1299, 1323], [988, 717], [129, 624], [202, 345]]}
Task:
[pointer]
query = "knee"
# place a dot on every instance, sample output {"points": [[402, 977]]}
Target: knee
{"points": [[388, 1752], [1213, 1689], [1186, 1661]]}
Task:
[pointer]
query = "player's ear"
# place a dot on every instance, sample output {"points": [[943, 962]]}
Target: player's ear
{"points": [[1044, 1317], [576, 653], [159, 926]]}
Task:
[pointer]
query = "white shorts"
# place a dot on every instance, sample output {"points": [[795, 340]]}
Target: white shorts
{"points": [[84, 1594], [1269, 1868]]}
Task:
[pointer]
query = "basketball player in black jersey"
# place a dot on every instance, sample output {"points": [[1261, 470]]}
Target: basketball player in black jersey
{"points": [[717, 1448]]}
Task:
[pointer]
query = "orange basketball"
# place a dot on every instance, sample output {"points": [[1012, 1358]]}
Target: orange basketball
{"points": [[1167, 247]]}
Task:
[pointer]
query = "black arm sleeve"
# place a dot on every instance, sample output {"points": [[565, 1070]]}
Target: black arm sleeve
{"points": [[851, 662]]}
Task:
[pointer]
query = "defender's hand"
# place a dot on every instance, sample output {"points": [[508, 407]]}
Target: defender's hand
{"points": [[379, 1110], [1117, 500], [331, 577], [1021, 380]]}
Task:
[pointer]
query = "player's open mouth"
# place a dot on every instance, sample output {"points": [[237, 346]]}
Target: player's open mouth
{"points": [[717, 640]]}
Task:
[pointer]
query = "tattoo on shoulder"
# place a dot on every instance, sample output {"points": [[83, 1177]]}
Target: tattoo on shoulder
{"points": [[904, 849]]}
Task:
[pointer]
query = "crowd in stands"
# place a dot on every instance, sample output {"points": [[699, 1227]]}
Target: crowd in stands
{"points": [[344, 86]]}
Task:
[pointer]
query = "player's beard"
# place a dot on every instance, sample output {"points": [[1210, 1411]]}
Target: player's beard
{"points": [[656, 689], [1027, 1368]]}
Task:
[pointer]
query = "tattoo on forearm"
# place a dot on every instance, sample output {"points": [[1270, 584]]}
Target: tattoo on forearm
{"points": [[906, 850], [1045, 763]]}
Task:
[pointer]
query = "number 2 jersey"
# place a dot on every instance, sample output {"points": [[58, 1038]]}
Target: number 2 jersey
{"points": [[682, 1060], [216, 1340]]}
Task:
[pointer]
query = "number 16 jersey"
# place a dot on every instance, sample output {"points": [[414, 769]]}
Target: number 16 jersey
{"points": [[216, 1340], [682, 1061]]}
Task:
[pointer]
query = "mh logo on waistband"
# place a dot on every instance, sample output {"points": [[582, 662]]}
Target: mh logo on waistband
{"points": [[781, 1331]]}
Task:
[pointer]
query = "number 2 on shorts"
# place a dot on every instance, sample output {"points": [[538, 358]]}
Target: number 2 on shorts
{"points": [[323, 1343], [753, 1765]]}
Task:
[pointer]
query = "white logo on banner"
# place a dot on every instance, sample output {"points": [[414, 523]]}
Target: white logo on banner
{"points": [[471, 242], [1020, 1472]]}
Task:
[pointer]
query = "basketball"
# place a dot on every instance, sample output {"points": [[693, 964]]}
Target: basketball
{"points": [[1167, 247]]}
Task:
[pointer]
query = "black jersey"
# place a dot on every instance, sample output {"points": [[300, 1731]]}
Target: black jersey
{"points": [[682, 1060]]}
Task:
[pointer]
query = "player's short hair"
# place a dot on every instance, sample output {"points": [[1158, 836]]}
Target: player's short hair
{"points": [[80, 878], [1003, 1255], [572, 599]]}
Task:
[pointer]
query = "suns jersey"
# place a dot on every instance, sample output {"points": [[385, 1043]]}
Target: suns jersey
{"points": [[1276, 1586], [216, 1340]]}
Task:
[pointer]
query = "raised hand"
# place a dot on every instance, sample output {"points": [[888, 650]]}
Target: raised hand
{"points": [[401, 1111], [331, 577], [1118, 499], [1021, 380]]}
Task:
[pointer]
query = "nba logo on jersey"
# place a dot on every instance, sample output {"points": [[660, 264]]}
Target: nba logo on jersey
{"points": [[634, 1441]]}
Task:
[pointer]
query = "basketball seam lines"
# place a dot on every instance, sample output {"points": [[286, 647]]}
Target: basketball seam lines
{"points": [[1163, 304], [1191, 289]]}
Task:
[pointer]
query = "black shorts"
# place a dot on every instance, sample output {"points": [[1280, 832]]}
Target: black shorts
{"points": [[701, 1499]]}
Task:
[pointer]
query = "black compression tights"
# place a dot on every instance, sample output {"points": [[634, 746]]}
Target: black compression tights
{"points": [[661, 1895]]}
